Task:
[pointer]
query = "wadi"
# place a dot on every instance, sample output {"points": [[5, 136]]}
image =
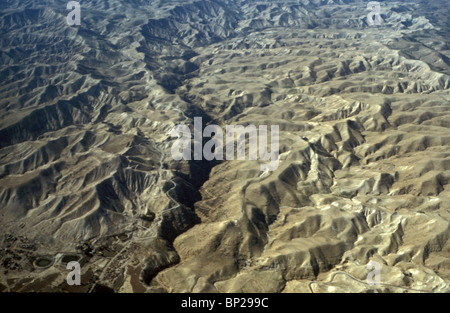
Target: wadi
{"points": [[235, 135]]}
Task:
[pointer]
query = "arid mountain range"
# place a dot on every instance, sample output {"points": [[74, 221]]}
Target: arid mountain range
{"points": [[86, 171]]}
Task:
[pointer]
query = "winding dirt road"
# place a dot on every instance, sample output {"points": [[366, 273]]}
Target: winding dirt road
{"points": [[152, 230], [361, 282]]}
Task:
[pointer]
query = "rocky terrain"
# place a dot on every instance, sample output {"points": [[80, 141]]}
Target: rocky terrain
{"points": [[86, 171]]}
